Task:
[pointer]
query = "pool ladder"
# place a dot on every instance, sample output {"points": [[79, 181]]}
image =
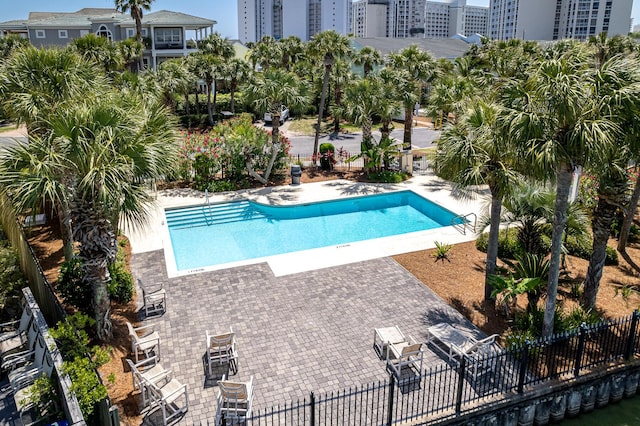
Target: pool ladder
{"points": [[461, 226]]}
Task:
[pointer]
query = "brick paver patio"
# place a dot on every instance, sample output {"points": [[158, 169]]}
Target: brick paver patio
{"points": [[299, 333]]}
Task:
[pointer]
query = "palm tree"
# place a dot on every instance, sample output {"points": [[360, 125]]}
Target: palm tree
{"points": [[292, 50], [363, 98], [340, 76], [327, 46], [174, 77], [10, 43], [236, 71], [472, 152], [392, 106], [369, 58], [560, 125], [130, 49], [135, 7], [269, 91], [99, 50], [209, 68], [266, 52], [217, 45], [418, 67], [89, 164]]}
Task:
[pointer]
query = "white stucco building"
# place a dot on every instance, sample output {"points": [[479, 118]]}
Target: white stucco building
{"points": [[419, 18], [558, 19], [284, 18]]}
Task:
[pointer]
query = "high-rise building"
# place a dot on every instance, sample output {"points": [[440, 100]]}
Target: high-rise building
{"points": [[284, 18], [419, 18], [558, 19]]}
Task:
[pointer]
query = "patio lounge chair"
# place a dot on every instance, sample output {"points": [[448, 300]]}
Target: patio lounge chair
{"points": [[455, 346], [146, 370], [144, 339], [221, 349], [165, 392], [155, 300], [404, 354], [25, 363], [234, 401], [18, 345]]}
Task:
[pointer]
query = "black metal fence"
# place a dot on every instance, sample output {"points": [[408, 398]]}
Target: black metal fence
{"points": [[449, 390]]}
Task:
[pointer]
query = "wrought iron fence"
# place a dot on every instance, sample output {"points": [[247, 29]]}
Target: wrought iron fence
{"points": [[452, 389]]}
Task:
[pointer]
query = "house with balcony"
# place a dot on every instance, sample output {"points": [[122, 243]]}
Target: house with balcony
{"points": [[166, 34]]}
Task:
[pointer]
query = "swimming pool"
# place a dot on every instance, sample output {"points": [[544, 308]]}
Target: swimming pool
{"points": [[214, 234]]}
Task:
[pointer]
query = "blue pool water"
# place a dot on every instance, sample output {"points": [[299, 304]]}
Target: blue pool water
{"points": [[214, 234]]}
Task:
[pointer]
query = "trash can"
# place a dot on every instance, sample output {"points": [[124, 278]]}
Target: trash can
{"points": [[296, 172]]}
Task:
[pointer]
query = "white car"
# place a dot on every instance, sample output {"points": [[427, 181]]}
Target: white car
{"points": [[284, 115]]}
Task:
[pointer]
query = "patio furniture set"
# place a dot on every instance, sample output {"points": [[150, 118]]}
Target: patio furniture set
{"points": [[160, 389], [401, 351], [25, 357]]}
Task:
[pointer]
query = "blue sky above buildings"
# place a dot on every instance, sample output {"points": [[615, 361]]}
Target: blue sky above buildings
{"points": [[223, 11]]}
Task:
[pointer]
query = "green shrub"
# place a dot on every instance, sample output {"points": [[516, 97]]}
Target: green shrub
{"points": [[442, 251], [508, 244], [43, 394], [577, 316], [121, 284], [11, 282], [71, 287], [388, 176], [582, 248], [326, 147], [516, 339], [80, 361]]}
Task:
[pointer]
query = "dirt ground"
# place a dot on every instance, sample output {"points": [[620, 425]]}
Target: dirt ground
{"points": [[458, 281]]}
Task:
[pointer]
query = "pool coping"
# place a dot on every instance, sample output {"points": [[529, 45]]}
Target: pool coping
{"points": [[430, 187]]}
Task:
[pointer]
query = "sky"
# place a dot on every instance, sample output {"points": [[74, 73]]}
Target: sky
{"points": [[223, 11]]}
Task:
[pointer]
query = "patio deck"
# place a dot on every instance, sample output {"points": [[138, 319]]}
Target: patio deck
{"points": [[298, 333], [304, 321]]}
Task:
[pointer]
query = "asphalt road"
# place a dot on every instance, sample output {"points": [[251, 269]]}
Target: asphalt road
{"points": [[303, 145]]}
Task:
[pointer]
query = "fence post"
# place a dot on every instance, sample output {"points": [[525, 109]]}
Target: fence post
{"points": [[580, 352], [392, 383], [632, 335], [524, 365], [312, 402], [461, 370]]}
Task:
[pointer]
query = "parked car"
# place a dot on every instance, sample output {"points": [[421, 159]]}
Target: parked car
{"points": [[284, 115]]}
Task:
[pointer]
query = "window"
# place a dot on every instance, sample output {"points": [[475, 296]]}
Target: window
{"points": [[131, 32], [63, 34], [169, 37], [40, 34], [104, 31], [143, 32]]}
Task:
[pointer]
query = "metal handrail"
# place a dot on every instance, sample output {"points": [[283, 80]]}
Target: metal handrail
{"points": [[462, 227]]}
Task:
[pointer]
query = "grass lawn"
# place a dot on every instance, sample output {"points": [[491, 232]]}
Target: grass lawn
{"points": [[306, 126]]}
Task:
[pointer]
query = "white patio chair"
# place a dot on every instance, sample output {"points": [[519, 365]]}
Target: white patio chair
{"points": [[155, 300], [18, 345], [404, 354], [383, 337], [146, 370], [13, 334], [165, 392], [144, 339], [221, 349], [24, 363], [234, 401]]}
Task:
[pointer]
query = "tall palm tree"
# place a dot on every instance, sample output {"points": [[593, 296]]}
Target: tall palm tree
{"points": [[91, 161], [392, 106], [327, 46], [266, 52], [362, 101], [340, 76], [472, 152], [560, 125], [174, 77], [209, 68], [235, 72], [130, 50], [292, 50], [369, 58], [418, 67], [268, 91], [217, 45], [617, 78], [136, 8]]}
